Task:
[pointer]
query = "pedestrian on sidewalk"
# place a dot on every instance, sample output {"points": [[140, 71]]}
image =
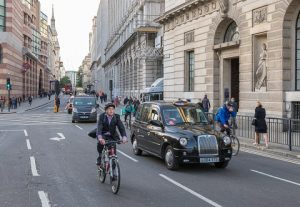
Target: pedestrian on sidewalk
{"points": [[14, 103], [49, 95], [260, 124], [206, 104], [116, 101], [9, 104], [1, 103], [19, 101], [126, 100], [235, 109], [57, 103], [30, 100]]}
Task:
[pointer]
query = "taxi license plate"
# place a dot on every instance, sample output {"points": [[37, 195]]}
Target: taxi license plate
{"points": [[209, 159], [84, 117]]}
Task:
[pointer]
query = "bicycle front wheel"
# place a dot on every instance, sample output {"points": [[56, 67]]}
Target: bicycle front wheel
{"points": [[115, 179], [101, 174], [235, 144]]}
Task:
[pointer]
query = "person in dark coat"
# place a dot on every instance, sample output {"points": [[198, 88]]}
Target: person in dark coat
{"points": [[108, 124], [260, 124]]}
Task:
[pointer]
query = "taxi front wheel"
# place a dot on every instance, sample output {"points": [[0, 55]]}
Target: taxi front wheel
{"points": [[170, 159]]}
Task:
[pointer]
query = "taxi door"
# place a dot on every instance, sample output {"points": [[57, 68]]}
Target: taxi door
{"points": [[142, 131], [155, 134]]}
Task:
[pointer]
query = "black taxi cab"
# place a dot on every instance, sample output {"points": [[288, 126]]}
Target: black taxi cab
{"points": [[179, 133]]}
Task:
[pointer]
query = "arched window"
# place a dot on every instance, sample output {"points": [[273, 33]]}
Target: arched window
{"points": [[232, 33], [298, 53]]}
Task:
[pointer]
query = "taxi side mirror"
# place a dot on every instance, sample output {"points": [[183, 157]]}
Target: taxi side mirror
{"points": [[156, 123]]}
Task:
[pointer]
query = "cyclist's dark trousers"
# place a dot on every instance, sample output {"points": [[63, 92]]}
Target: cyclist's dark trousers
{"points": [[100, 149], [126, 115], [223, 129]]}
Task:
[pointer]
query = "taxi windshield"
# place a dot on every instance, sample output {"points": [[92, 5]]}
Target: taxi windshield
{"points": [[183, 115]]}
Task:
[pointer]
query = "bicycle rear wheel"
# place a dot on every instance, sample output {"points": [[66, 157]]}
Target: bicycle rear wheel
{"points": [[115, 180], [235, 143]]}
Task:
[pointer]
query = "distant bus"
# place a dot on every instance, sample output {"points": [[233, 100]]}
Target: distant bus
{"points": [[155, 92]]}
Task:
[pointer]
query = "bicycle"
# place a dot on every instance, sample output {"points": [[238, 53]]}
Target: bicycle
{"points": [[235, 142], [128, 121], [110, 166]]}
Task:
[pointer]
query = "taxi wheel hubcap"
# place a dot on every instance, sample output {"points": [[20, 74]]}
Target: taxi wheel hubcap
{"points": [[134, 145], [169, 157]]}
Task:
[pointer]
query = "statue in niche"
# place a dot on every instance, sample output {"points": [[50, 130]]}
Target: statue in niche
{"points": [[261, 72], [224, 7]]}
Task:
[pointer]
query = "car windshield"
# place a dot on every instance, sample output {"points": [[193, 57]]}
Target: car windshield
{"points": [[84, 101], [181, 115], [194, 115]]}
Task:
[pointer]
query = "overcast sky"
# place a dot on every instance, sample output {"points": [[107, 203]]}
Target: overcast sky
{"points": [[73, 23]]}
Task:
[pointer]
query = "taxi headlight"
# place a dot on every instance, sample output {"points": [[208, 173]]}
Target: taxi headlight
{"points": [[75, 110], [227, 140], [183, 141]]}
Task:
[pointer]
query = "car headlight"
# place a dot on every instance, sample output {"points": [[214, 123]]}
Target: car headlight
{"points": [[93, 110], [227, 140], [75, 110], [183, 141]]}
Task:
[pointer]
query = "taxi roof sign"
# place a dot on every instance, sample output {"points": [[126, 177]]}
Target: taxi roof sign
{"points": [[181, 103]]}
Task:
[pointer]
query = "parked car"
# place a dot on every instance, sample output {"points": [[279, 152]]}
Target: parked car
{"points": [[84, 109], [69, 106], [179, 133]]}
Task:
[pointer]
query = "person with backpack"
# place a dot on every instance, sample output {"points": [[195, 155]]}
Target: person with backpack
{"points": [[128, 110], [223, 115]]}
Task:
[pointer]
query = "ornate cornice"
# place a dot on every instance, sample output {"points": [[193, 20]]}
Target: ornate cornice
{"points": [[188, 11]]}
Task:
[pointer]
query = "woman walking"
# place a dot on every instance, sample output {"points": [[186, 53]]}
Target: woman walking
{"points": [[260, 124]]}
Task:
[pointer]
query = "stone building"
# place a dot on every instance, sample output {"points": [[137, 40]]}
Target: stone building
{"points": [[24, 48], [126, 45], [246, 49]]}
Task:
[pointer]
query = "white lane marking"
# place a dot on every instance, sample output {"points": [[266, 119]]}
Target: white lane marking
{"points": [[268, 155], [25, 132], [33, 167], [62, 137], [278, 178], [124, 154], [7, 130], [44, 199], [78, 127], [28, 144], [190, 191], [38, 124]]}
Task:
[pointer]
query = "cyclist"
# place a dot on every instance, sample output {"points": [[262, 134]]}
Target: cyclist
{"points": [[223, 116], [107, 129]]}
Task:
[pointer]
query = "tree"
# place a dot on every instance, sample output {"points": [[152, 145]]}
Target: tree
{"points": [[79, 78], [65, 80]]}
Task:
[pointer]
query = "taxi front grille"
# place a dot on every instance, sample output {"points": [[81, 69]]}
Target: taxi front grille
{"points": [[207, 145]]}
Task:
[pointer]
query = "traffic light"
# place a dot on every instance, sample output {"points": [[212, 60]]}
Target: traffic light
{"points": [[8, 84]]}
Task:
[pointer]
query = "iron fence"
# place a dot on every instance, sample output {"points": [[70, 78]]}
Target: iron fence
{"points": [[280, 130]]}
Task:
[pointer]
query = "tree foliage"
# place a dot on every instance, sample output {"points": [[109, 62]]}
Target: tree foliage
{"points": [[65, 80]]}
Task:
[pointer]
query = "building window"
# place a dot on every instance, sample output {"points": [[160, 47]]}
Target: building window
{"points": [[298, 54], [190, 71], [232, 33], [2, 15]]}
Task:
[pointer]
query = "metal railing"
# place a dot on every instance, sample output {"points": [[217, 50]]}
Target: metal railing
{"points": [[280, 130]]}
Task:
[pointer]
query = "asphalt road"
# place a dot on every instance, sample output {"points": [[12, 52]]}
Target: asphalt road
{"points": [[37, 171]]}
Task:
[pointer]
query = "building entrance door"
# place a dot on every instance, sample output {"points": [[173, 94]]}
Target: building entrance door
{"points": [[230, 79], [235, 79]]}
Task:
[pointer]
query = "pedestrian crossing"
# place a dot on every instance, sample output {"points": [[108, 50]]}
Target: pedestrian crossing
{"points": [[35, 119]]}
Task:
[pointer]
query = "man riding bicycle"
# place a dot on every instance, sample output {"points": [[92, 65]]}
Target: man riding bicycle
{"points": [[223, 116], [107, 128]]}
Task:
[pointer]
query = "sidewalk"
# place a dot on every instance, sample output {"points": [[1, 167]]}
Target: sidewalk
{"points": [[274, 149], [36, 103]]}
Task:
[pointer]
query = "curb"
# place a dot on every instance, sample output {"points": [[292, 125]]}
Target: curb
{"points": [[38, 106], [283, 153]]}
